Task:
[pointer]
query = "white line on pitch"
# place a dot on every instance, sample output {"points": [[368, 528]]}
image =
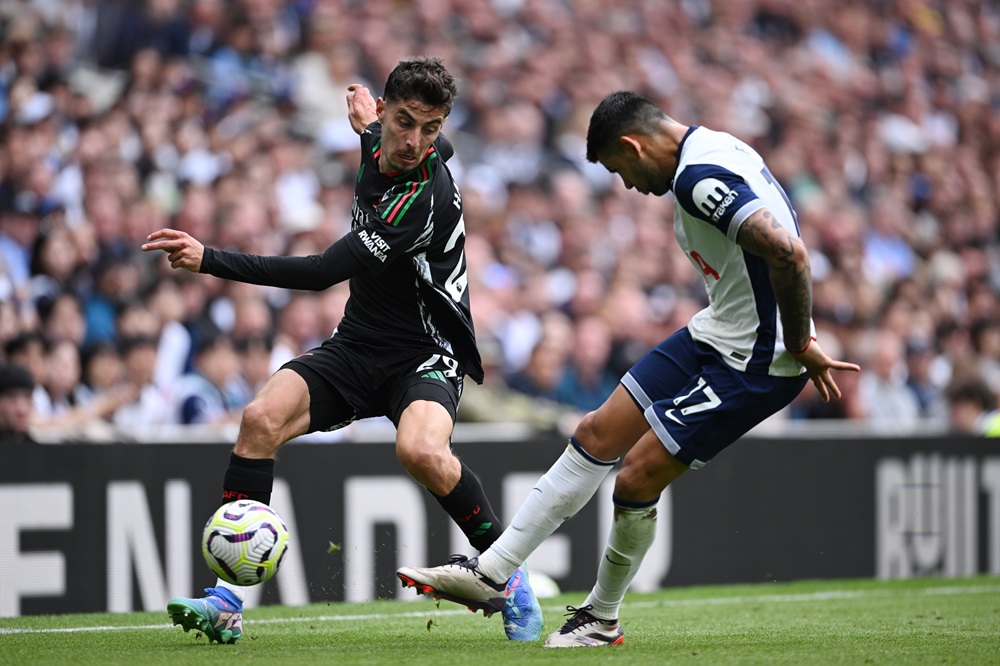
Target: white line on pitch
{"points": [[826, 595]]}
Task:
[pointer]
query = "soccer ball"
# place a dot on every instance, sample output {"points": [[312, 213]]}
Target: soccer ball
{"points": [[543, 586], [244, 542]]}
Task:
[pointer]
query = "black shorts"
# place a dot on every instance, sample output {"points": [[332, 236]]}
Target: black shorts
{"points": [[351, 380]]}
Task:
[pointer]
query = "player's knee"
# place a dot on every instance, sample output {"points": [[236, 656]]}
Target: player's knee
{"points": [[594, 437], [420, 456], [414, 457], [635, 483], [260, 431], [586, 430]]}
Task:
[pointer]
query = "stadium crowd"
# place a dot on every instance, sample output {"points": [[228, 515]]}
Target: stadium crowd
{"points": [[227, 119]]}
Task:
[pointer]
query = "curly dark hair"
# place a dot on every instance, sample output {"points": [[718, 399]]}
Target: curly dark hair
{"points": [[422, 78]]}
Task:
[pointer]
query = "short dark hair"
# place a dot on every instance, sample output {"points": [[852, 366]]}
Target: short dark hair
{"points": [[23, 340], [422, 78], [133, 342], [14, 377], [619, 114], [972, 389]]}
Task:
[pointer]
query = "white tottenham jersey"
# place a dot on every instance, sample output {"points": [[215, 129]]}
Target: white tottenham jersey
{"points": [[720, 182]]}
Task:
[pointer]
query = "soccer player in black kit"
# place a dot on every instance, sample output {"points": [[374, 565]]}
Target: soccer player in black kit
{"points": [[404, 344]]}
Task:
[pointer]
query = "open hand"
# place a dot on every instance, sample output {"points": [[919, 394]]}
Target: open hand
{"points": [[820, 367], [183, 251]]}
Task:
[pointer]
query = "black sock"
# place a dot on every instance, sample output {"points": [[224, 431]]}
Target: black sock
{"points": [[470, 509], [248, 478]]}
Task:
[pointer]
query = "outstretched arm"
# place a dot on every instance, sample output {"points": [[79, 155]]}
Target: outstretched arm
{"points": [[314, 273], [791, 278]]}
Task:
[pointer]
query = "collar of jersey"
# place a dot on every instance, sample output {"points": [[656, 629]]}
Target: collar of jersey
{"points": [[404, 175], [680, 149]]}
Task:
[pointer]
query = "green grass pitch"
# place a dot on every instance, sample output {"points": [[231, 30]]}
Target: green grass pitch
{"points": [[917, 621]]}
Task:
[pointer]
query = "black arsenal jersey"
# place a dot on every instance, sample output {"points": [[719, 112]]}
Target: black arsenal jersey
{"points": [[407, 249], [409, 230]]}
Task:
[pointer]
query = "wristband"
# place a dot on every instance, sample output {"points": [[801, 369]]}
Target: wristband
{"points": [[803, 350]]}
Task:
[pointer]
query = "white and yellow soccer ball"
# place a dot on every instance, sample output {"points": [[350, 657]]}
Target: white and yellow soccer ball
{"points": [[244, 542]]}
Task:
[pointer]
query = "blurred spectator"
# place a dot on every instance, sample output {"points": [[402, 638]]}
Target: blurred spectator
{"points": [[226, 120], [494, 400], [10, 324], [18, 235], [298, 326], [255, 361], [72, 405], [55, 262], [28, 350], [205, 21], [250, 62], [173, 325], [985, 334], [542, 373], [117, 282], [889, 255], [930, 396], [61, 317], [887, 400], [329, 63], [153, 405], [296, 186], [102, 371], [214, 393], [973, 407], [61, 379], [16, 386], [588, 380]]}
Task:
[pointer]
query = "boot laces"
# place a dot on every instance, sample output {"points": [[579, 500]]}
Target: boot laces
{"points": [[577, 618]]}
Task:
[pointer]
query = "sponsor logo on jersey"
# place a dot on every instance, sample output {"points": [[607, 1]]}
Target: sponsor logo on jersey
{"points": [[375, 244], [713, 197]]}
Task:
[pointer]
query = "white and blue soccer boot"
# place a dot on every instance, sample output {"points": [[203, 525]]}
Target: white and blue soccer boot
{"points": [[219, 615], [522, 615]]}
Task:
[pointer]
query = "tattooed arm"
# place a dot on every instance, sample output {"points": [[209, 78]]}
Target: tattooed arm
{"points": [[788, 267], [791, 278]]}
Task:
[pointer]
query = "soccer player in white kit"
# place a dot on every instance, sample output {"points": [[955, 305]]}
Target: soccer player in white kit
{"points": [[738, 361]]}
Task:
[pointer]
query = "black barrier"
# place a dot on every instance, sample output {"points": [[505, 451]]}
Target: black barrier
{"points": [[116, 527]]}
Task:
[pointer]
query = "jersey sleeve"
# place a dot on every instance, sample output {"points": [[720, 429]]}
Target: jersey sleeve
{"points": [[716, 195], [315, 272]]}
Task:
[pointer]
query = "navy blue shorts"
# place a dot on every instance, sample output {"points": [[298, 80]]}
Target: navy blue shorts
{"points": [[696, 403]]}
